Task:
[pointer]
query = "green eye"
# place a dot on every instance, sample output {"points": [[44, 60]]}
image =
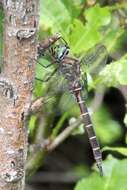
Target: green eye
{"points": [[61, 52]]}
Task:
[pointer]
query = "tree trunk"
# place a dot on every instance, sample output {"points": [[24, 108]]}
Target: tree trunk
{"points": [[16, 84]]}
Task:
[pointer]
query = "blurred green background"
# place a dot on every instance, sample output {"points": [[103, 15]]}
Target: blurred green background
{"points": [[83, 24]]}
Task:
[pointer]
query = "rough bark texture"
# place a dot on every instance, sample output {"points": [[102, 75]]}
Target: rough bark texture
{"points": [[16, 84]]}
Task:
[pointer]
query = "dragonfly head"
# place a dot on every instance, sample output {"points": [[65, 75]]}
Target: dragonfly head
{"points": [[61, 51]]}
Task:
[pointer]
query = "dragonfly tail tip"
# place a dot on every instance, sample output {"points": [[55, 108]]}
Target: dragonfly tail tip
{"points": [[99, 165]]}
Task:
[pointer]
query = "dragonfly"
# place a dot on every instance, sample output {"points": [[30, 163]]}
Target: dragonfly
{"points": [[71, 68]]}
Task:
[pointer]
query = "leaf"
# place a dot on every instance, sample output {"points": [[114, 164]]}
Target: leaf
{"points": [[79, 130], [125, 119], [81, 170], [114, 177], [82, 38], [123, 74], [73, 7], [53, 16], [107, 129], [120, 150], [32, 125], [98, 16], [115, 73]]}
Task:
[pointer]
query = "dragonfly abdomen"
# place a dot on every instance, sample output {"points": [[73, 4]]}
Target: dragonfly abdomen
{"points": [[89, 128]]}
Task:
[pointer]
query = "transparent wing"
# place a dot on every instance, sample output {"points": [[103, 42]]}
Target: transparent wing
{"points": [[56, 90], [94, 60]]}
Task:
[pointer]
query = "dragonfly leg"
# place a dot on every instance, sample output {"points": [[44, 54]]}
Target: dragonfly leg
{"points": [[45, 66], [48, 78], [51, 51]]}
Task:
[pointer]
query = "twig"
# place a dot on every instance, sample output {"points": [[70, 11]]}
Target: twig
{"points": [[63, 135], [49, 144], [38, 103]]}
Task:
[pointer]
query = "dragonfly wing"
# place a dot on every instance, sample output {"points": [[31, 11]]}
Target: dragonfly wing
{"points": [[95, 59], [84, 84], [57, 93]]}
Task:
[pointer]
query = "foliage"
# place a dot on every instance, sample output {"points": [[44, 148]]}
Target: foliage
{"points": [[114, 177], [120, 150], [115, 73], [83, 27], [107, 129]]}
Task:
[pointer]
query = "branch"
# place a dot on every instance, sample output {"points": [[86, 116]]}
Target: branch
{"points": [[37, 104], [63, 135], [50, 145], [16, 83]]}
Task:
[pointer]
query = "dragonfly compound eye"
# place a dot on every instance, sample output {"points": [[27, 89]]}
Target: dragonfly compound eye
{"points": [[61, 52]]}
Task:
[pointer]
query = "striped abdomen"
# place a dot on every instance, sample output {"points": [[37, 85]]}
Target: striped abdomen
{"points": [[89, 128]]}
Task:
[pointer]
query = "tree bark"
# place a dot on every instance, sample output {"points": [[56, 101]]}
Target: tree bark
{"points": [[16, 84]]}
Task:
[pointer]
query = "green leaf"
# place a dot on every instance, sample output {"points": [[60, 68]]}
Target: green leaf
{"points": [[125, 119], [81, 170], [53, 16], [32, 125], [115, 174], [123, 73], [82, 37], [107, 129], [115, 73], [79, 130], [120, 150], [73, 7], [98, 16]]}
